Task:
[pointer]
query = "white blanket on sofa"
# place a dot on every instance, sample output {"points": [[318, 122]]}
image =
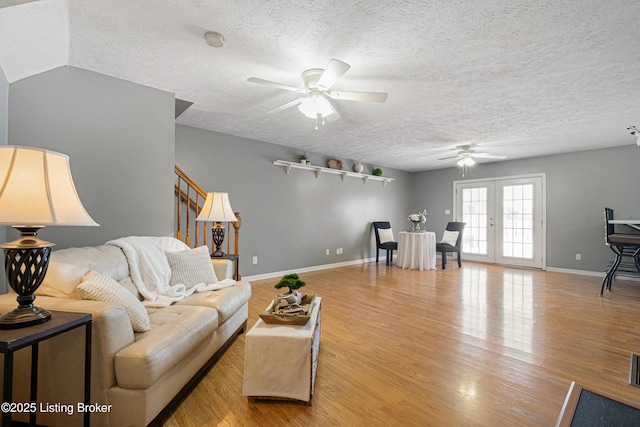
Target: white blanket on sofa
{"points": [[150, 271]]}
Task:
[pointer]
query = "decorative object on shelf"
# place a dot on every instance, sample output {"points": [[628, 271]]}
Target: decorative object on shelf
{"points": [[36, 190], [417, 219], [358, 168], [377, 172], [319, 170], [634, 131], [217, 208], [334, 164], [304, 159]]}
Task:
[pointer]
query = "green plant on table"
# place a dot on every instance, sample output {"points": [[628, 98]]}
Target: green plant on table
{"points": [[291, 281]]}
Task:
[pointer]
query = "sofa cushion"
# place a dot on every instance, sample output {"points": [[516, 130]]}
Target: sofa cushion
{"points": [[176, 332], [223, 268], [226, 301], [191, 267], [98, 287], [67, 267]]}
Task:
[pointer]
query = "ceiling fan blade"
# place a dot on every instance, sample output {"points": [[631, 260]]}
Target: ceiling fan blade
{"points": [[487, 156], [275, 84], [450, 157], [332, 73], [334, 115], [285, 106], [358, 96]]}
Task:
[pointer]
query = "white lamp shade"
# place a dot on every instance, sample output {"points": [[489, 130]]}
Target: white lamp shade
{"points": [[36, 189], [315, 104], [217, 209]]}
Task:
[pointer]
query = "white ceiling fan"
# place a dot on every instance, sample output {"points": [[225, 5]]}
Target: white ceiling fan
{"points": [[466, 157], [316, 102]]}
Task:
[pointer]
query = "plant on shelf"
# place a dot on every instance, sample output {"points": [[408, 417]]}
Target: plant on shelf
{"points": [[304, 159], [293, 282], [377, 172]]}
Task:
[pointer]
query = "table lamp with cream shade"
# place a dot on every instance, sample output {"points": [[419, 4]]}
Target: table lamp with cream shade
{"points": [[217, 209], [36, 190]]}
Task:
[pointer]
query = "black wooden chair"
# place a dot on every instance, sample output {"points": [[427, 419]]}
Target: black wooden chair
{"points": [[623, 245], [446, 247], [384, 239]]}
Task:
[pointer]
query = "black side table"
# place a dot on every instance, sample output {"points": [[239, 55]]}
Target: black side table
{"points": [[234, 258], [14, 339]]}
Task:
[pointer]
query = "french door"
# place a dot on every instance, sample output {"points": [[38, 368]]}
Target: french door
{"points": [[505, 220]]}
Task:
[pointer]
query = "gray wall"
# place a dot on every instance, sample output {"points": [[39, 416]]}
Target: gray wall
{"points": [[288, 221], [120, 140], [579, 186]]}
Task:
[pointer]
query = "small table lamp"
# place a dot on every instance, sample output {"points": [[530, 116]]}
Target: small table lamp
{"points": [[36, 190], [217, 209]]}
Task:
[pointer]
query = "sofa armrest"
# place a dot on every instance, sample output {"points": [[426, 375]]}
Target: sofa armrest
{"points": [[61, 356], [223, 268]]}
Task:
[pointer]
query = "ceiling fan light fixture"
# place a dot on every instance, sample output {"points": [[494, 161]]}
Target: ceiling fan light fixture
{"points": [[315, 104], [466, 161]]}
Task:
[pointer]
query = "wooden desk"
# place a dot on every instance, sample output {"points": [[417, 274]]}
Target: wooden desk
{"points": [[12, 340]]}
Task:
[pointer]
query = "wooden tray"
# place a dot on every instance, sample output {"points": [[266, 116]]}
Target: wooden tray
{"points": [[269, 317]]}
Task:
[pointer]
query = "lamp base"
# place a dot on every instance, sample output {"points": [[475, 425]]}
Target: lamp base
{"points": [[22, 317], [217, 233], [26, 261]]}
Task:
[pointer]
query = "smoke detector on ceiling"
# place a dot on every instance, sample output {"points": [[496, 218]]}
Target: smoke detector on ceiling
{"points": [[214, 39]]}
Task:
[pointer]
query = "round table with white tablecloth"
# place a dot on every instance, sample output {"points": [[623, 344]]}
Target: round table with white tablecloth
{"points": [[417, 250]]}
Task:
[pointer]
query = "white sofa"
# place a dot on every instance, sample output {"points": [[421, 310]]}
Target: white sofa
{"points": [[138, 374]]}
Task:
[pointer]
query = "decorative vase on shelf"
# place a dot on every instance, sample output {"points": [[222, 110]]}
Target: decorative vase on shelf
{"points": [[358, 167]]}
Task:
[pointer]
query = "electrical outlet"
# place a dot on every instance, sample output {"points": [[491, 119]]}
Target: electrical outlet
{"points": [[255, 259], [340, 251], [447, 211], [327, 251], [578, 257]]}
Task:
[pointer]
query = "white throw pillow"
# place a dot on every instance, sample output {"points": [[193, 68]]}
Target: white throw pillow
{"points": [[98, 287], [450, 237], [386, 235], [191, 267]]}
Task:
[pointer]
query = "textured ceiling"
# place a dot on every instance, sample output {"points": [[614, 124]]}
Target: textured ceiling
{"points": [[515, 78]]}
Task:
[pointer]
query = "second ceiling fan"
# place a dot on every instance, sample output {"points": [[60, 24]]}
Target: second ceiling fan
{"points": [[316, 102]]}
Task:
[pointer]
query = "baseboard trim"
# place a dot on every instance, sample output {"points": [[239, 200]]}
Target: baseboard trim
{"points": [[578, 272]]}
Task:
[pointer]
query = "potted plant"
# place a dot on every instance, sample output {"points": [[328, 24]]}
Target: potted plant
{"points": [[293, 282], [304, 159], [377, 172]]}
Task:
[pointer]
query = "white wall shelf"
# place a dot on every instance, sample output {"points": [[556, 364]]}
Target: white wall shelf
{"points": [[320, 170]]}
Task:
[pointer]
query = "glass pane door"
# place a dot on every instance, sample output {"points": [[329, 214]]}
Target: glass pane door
{"points": [[520, 222], [504, 220], [475, 202]]}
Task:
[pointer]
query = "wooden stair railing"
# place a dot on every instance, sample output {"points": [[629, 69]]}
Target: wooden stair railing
{"points": [[189, 199]]}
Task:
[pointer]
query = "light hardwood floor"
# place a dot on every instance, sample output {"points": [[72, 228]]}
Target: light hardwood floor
{"points": [[478, 346]]}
